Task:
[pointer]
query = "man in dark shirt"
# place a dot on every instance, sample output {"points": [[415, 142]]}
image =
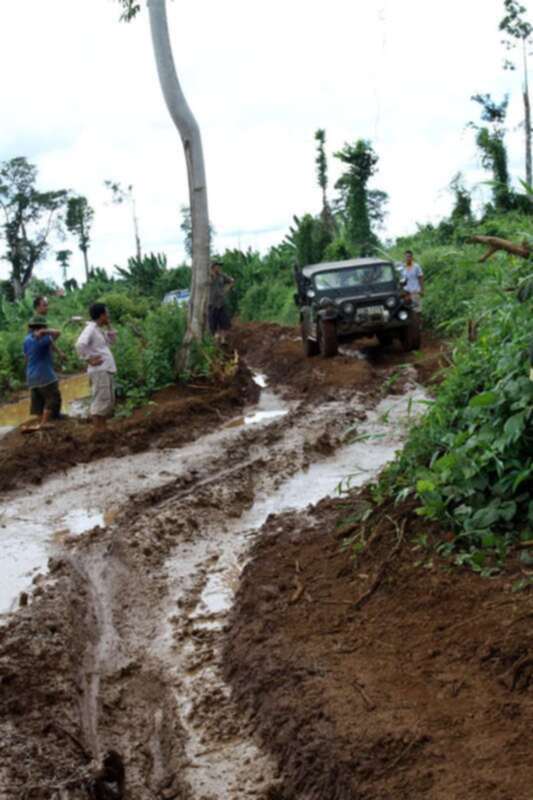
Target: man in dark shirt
{"points": [[219, 319], [42, 380]]}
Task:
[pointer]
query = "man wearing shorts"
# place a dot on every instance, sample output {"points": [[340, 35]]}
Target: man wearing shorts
{"points": [[415, 280], [219, 319], [93, 346], [42, 380]]}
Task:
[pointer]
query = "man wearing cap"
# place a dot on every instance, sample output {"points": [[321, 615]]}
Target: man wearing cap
{"points": [[42, 380], [219, 319]]}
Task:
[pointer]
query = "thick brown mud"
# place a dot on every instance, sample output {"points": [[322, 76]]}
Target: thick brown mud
{"points": [[382, 673]]}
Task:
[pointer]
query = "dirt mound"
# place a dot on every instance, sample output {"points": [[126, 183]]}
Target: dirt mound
{"points": [[360, 366], [389, 676], [175, 416]]}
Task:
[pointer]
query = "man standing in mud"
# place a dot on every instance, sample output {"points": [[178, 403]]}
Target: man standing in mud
{"points": [[93, 346], [40, 306], [42, 380], [415, 280], [219, 319]]}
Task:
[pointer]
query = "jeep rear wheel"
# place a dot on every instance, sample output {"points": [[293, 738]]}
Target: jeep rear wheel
{"points": [[411, 337], [328, 338], [310, 345]]}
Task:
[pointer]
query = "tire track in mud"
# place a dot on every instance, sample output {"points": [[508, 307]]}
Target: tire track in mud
{"points": [[159, 583]]}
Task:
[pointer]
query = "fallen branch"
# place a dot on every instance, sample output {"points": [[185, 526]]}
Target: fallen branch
{"points": [[494, 243]]}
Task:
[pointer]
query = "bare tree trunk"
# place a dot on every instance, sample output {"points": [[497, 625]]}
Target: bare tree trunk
{"points": [[86, 263], [136, 227], [527, 121], [192, 144]]}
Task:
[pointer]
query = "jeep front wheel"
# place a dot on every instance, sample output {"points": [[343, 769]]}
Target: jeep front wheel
{"points": [[310, 345], [328, 338], [384, 338], [411, 338]]}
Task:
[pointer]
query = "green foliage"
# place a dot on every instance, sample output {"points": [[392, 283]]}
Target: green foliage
{"points": [[151, 276], [357, 207], [470, 460], [515, 25], [123, 306], [29, 218], [264, 285], [308, 239]]}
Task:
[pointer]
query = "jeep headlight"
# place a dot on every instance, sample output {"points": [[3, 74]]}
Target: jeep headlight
{"points": [[311, 293], [403, 315], [326, 301], [390, 302], [348, 308]]}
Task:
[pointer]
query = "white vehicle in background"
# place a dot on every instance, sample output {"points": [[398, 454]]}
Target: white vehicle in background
{"points": [[179, 297]]}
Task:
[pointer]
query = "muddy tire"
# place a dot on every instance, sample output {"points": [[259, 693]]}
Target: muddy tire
{"points": [[385, 339], [310, 345], [411, 337], [328, 343]]}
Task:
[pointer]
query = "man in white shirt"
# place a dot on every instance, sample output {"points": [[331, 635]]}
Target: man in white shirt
{"points": [[93, 346], [415, 280]]}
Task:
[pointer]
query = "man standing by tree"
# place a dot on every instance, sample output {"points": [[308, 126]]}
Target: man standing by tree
{"points": [[42, 380], [415, 280], [93, 346], [219, 319]]}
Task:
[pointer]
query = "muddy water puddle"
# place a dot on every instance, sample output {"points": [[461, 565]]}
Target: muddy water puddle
{"points": [[376, 442], [34, 525], [205, 576], [73, 390]]}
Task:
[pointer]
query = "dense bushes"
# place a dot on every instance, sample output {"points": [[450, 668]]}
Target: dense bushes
{"points": [[470, 461]]}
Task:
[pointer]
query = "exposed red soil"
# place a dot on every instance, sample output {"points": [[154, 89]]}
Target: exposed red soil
{"points": [[423, 689], [362, 365], [176, 415]]}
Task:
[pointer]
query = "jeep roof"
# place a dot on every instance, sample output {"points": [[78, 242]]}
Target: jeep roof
{"points": [[309, 270]]}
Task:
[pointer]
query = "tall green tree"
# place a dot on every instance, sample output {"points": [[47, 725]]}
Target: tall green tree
{"points": [[30, 217], [321, 162], [189, 132], [518, 32], [120, 195], [63, 259], [79, 221], [490, 140], [357, 205]]}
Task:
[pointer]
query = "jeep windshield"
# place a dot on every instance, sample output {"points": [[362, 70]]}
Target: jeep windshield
{"points": [[355, 277]]}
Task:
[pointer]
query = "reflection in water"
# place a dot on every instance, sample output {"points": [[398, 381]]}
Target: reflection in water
{"points": [[72, 389]]}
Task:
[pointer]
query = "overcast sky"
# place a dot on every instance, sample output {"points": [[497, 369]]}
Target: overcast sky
{"points": [[80, 98]]}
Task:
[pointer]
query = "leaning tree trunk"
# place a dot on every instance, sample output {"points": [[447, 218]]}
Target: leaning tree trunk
{"points": [[192, 144]]}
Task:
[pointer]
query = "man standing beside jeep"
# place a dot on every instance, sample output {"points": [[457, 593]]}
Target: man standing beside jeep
{"points": [[414, 280]]}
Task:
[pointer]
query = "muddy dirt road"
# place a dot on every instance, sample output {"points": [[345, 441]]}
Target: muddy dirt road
{"points": [[128, 669]]}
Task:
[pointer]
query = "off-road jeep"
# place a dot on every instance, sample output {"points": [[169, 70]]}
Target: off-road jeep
{"points": [[346, 300]]}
